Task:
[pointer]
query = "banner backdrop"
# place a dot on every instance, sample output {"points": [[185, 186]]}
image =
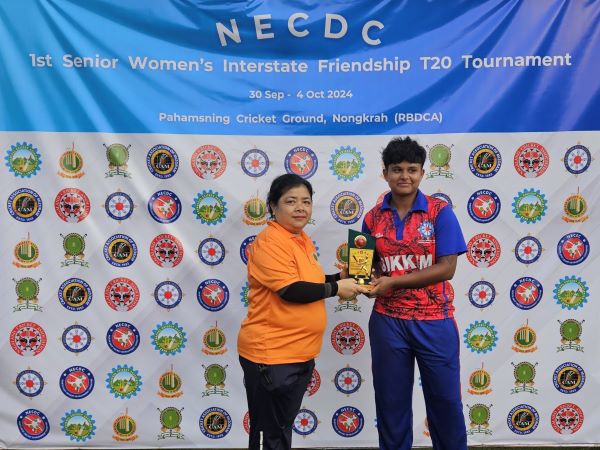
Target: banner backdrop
{"points": [[139, 142]]}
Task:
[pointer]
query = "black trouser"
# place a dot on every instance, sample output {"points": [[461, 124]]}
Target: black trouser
{"points": [[274, 397]]}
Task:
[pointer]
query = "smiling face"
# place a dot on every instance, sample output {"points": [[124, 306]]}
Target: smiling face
{"points": [[404, 178], [293, 209]]}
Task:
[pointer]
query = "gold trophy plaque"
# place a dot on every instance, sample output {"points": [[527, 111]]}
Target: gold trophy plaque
{"points": [[361, 251]]}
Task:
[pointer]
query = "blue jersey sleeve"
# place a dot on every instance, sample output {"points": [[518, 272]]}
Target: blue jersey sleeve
{"points": [[449, 239]]}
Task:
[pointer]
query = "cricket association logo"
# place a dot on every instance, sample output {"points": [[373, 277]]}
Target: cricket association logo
{"points": [[575, 208], [526, 293], [30, 383], [305, 423], [244, 248], [573, 248], [214, 341], [212, 294], [568, 378], [439, 157], [211, 251], [524, 373], [76, 338], [215, 376], [117, 156], [570, 335], [71, 163], [77, 382], [215, 423], [120, 250], [123, 338], [347, 380], [210, 207], [169, 384], [244, 294], [28, 339], [74, 246], [24, 205], [529, 206], [124, 381], [571, 292], [168, 338], [482, 294], [27, 290], [528, 250], [255, 211], [483, 250], [121, 294], [162, 161], [75, 294], [301, 161], [314, 384], [523, 419], [119, 206], [166, 250], [531, 160], [567, 418], [346, 163], [33, 424], [577, 159], [480, 381], [346, 207], [485, 161], [347, 338], [479, 417], [483, 206], [444, 197], [347, 421], [72, 205], [170, 420], [78, 425], [209, 162], [23, 160], [481, 337], [255, 163], [124, 427], [168, 294], [164, 206], [341, 253], [524, 339], [26, 254]]}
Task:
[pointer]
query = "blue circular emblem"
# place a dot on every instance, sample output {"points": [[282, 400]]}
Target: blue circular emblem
{"points": [[305, 423], [442, 196], [571, 292], [23, 160], [485, 161], [24, 205], [301, 161], [33, 424], [210, 207], [346, 163], [75, 294], [347, 380], [526, 293], [577, 159], [162, 161], [120, 250], [124, 381], [76, 382], [212, 294], [76, 338], [482, 294], [164, 206], [347, 421], [168, 338], [78, 425], [168, 294], [523, 419], [573, 248], [30, 383], [568, 378], [426, 229], [530, 205], [483, 206], [255, 163], [119, 206], [215, 423], [245, 243], [346, 208], [211, 251], [528, 250], [123, 338]]}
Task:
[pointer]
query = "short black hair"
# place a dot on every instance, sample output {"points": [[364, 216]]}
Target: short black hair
{"points": [[399, 150], [282, 184]]}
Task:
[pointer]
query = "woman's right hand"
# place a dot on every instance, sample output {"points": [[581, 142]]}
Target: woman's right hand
{"points": [[348, 287]]}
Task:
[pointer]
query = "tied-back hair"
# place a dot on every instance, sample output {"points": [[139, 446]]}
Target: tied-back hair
{"points": [[282, 184]]}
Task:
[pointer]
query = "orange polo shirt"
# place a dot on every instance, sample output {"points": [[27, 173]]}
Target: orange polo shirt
{"points": [[276, 331]]}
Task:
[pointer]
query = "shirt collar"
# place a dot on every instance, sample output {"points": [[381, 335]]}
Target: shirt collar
{"points": [[280, 229], [420, 203]]}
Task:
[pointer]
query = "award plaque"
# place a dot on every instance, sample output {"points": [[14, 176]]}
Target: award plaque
{"points": [[361, 251]]}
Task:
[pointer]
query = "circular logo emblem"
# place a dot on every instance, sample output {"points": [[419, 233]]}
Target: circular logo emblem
{"points": [[485, 161], [166, 250], [439, 157], [444, 197], [575, 208], [480, 381], [210, 207], [27, 290], [124, 381], [164, 206], [525, 338], [72, 205], [482, 294], [33, 424], [526, 293], [71, 163], [168, 294], [573, 248], [305, 423], [215, 423], [529, 206], [341, 253], [168, 338], [75, 294], [124, 427], [76, 338], [346, 207], [170, 384], [170, 418], [483, 206], [30, 383], [531, 160], [211, 251], [577, 159], [212, 295], [347, 421], [117, 154], [255, 211], [347, 338], [481, 337], [123, 338], [528, 250], [524, 373], [568, 378], [244, 293], [301, 161], [244, 248], [479, 414], [73, 245], [120, 250], [570, 330], [23, 160], [214, 341], [255, 163], [246, 422], [121, 294], [347, 380], [483, 250], [346, 163], [523, 419], [119, 206], [314, 384], [571, 292], [215, 375], [162, 161], [78, 425], [28, 339], [209, 162], [26, 253], [76, 382], [566, 418], [24, 205]]}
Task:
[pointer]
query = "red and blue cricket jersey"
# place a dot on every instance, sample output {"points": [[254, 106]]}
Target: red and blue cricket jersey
{"points": [[430, 230]]}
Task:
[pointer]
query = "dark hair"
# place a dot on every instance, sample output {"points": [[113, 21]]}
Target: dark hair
{"points": [[284, 183], [399, 150]]}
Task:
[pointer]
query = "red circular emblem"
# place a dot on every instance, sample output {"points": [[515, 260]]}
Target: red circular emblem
{"points": [[28, 339], [246, 422], [209, 162], [567, 418], [483, 250], [72, 205], [531, 160], [121, 294], [347, 338], [166, 250], [314, 384]]}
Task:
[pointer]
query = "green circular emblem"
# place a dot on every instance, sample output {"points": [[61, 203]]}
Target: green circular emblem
{"points": [[23, 160], [341, 253], [529, 206], [74, 244], [439, 155], [170, 382], [255, 210], [214, 375], [71, 162], [575, 206], [117, 154], [124, 426], [524, 372], [124, 381], [27, 288], [479, 414], [347, 163], [571, 292], [170, 418], [481, 337], [570, 330], [26, 252], [525, 337], [480, 380]]}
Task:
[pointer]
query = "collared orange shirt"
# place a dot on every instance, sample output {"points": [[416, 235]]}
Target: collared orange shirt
{"points": [[276, 331]]}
